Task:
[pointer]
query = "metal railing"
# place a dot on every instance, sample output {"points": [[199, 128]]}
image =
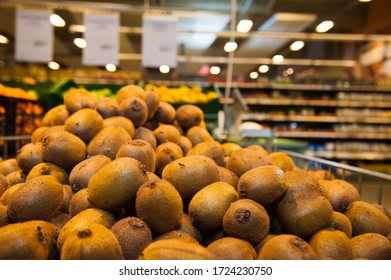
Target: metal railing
{"points": [[16, 141]]}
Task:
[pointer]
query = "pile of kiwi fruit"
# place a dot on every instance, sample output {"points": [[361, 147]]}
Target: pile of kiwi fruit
{"points": [[132, 177]]}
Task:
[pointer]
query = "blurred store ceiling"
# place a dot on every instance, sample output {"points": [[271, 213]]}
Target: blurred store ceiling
{"points": [[204, 28]]}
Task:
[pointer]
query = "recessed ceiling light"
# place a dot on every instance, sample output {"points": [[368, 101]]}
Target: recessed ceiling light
{"points": [[230, 46], [57, 21], [80, 42], [364, 0], [254, 75], [3, 40], [297, 45], [164, 69], [215, 70], [278, 58], [290, 71], [111, 67], [53, 65], [244, 25], [263, 69], [324, 26]]}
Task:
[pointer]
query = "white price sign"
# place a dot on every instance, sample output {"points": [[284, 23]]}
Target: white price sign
{"points": [[159, 41], [34, 36], [102, 37]]}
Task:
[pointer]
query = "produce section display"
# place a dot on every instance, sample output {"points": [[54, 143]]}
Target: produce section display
{"points": [[133, 177]]}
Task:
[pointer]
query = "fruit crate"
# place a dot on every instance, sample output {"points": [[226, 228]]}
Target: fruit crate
{"points": [[374, 187]]}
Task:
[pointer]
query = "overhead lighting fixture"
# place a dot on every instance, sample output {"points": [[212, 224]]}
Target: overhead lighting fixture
{"points": [[296, 46], [364, 0], [244, 25], [53, 65], [254, 75], [3, 40], [111, 67], [74, 28], [290, 71], [230, 46], [215, 70], [263, 69], [164, 69], [57, 21], [324, 26], [278, 58], [80, 42]]}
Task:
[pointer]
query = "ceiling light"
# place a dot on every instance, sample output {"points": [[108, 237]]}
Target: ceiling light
{"points": [[290, 71], [230, 46], [56, 20], [111, 67], [297, 45], [164, 69], [53, 65], [254, 75], [244, 25], [263, 68], [74, 28], [364, 0], [3, 40], [214, 70], [278, 58], [324, 26], [80, 42]]}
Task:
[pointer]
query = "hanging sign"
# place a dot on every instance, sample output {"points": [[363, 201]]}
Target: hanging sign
{"points": [[159, 41], [34, 36], [102, 38]]}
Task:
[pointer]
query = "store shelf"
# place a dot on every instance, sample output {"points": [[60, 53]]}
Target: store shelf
{"points": [[343, 155], [332, 135]]}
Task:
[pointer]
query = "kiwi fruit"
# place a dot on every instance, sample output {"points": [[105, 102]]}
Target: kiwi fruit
{"points": [[286, 247], [60, 219], [4, 197], [47, 168], [4, 220], [140, 150], [41, 132], [383, 208], [198, 134], [64, 149], [372, 246], [151, 124], [211, 149], [366, 218], [208, 206], [67, 197], [16, 177], [152, 99], [38, 199], [282, 160], [229, 147], [186, 225], [4, 184], [30, 240], [29, 155], [176, 249], [189, 115], [128, 91], [258, 247], [340, 222], [184, 174], [231, 248], [166, 133], [165, 153], [176, 234], [112, 186], [107, 107], [84, 218], [299, 179], [120, 121], [160, 205], [165, 113], [135, 109], [242, 160], [340, 193], [322, 174], [332, 245], [55, 116], [76, 99], [143, 133], [92, 242], [259, 148], [79, 202], [185, 144], [264, 184], [108, 141], [133, 235], [8, 166], [82, 172], [84, 123], [226, 175], [247, 220]]}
